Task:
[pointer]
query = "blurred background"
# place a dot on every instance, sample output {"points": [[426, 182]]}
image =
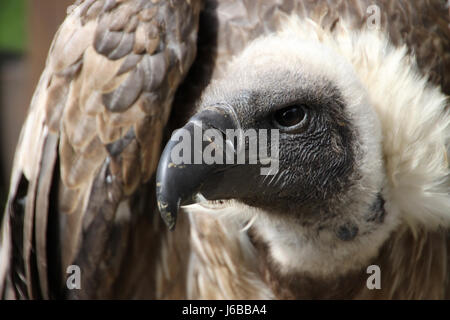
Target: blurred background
{"points": [[27, 28]]}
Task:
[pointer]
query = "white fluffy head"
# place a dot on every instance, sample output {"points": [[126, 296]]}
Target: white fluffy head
{"points": [[412, 124], [403, 132]]}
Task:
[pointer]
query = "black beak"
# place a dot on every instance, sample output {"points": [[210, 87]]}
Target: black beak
{"points": [[178, 183]]}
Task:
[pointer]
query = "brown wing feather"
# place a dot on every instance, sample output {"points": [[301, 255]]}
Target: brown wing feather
{"points": [[93, 136]]}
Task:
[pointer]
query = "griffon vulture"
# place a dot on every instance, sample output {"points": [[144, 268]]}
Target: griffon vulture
{"points": [[358, 92]]}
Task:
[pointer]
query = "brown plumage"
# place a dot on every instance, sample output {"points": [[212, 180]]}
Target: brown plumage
{"points": [[83, 182]]}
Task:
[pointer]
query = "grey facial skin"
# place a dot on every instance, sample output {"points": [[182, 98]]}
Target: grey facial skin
{"points": [[317, 158]]}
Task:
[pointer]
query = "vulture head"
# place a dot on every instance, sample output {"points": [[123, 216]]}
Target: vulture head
{"points": [[319, 191], [314, 153]]}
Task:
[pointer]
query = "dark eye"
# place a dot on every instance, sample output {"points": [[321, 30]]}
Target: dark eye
{"points": [[290, 117]]}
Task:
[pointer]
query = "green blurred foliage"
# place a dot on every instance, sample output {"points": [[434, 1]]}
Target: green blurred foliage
{"points": [[12, 25]]}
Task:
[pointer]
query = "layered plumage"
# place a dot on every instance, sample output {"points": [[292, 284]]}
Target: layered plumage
{"points": [[82, 189]]}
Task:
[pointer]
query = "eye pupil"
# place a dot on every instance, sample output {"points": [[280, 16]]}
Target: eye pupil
{"points": [[290, 116]]}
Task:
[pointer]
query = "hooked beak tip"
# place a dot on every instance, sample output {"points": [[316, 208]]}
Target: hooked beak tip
{"points": [[177, 184], [168, 213]]}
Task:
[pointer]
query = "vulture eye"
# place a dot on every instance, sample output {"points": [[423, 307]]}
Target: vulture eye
{"points": [[290, 118]]}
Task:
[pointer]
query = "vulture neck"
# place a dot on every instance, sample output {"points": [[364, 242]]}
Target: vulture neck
{"points": [[413, 265], [228, 262], [302, 285]]}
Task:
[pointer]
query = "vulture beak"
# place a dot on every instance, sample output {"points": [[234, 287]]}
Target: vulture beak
{"points": [[178, 183]]}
